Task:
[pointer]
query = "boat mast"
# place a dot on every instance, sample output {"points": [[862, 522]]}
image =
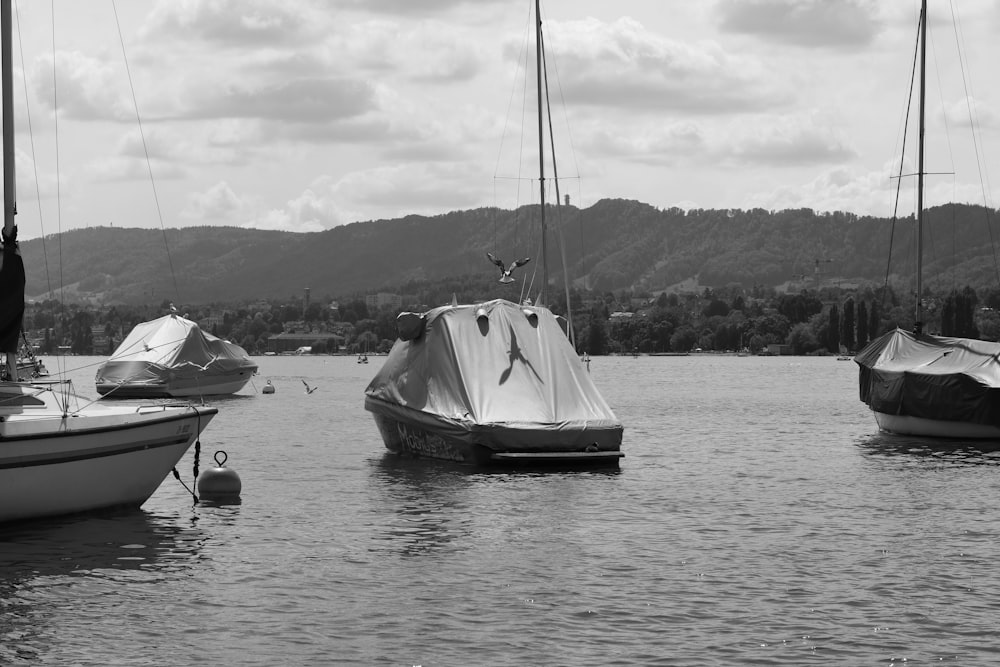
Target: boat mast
{"points": [[918, 323], [7, 74], [541, 148]]}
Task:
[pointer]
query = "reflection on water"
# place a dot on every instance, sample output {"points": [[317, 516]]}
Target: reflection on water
{"points": [[113, 540], [957, 452], [425, 502], [435, 504], [42, 560]]}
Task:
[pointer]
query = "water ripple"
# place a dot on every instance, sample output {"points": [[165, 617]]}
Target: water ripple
{"points": [[754, 520]]}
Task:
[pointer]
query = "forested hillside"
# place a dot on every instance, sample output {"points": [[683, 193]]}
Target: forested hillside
{"points": [[612, 245]]}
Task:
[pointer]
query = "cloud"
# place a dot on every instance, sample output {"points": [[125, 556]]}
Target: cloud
{"points": [[788, 141], [238, 23], [622, 64], [89, 89], [421, 7], [804, 23], [836, 189], [765, 141], [217, 204], [969, 112], [309, 212], [402, 189], [381, 192], [302, 100], [220, 204], [653, 143], [424, 51]]}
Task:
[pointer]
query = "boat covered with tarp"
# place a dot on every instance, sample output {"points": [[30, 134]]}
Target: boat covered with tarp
{"points": [[171, 357], [490, 383], [932, 385]]}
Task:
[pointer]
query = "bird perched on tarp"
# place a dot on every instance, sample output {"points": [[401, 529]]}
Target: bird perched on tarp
{"points": [[505, 270]]}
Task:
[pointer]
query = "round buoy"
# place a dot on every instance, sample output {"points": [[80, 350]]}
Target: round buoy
{"points": [[268, 388], [219, 483]]}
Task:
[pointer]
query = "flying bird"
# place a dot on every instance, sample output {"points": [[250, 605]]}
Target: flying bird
{"points": [[505, 270], [309, 389]]}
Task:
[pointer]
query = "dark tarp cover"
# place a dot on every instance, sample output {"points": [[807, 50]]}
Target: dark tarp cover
{"points": [[171, 348], [512, 370], [934, 377], [11, 298]]}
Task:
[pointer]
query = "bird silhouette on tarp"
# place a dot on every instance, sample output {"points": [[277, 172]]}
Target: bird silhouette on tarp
{"points": [[515, 354], [506, 270]]}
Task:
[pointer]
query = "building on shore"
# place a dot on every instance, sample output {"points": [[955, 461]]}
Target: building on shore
{"points": [[286, 343]]}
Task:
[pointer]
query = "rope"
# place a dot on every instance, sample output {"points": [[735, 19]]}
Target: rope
{"points": [[55, 116], [197, 456], [899, 177], [559, 220], [984, 178], [34, 158], [500, 150], [145, 149]]}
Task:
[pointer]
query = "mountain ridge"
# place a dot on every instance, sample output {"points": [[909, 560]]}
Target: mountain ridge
{"points": [[615, 244]]}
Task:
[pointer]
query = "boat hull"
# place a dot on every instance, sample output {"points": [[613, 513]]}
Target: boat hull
{"points": [[418, 434], [189, 387], [935, 428], [53, 464]]}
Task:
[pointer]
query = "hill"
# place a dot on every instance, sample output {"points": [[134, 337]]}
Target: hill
{"points": [[612, 245]]}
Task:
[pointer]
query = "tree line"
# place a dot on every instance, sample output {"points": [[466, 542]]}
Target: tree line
{"points": [[826, 321]]}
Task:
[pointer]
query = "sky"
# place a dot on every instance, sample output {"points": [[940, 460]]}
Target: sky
{"points": [[302, 115]]}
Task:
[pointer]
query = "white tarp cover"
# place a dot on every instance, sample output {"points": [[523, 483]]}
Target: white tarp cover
{"points": [[501, 372], [934, 377], [171, 348]]}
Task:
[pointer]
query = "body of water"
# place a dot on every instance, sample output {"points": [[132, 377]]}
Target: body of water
{"points": [[757, 519]]}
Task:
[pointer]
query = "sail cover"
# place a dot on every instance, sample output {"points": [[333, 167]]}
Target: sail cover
{"points": [[492, 366], [934, 377], [172, 348]]}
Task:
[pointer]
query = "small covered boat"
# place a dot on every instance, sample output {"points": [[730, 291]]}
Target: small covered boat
{"points": [[171, 357], [491, 383]]}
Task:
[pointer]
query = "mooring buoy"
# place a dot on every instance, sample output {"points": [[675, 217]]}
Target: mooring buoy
{"points": [[219, 483], [268, 388]]}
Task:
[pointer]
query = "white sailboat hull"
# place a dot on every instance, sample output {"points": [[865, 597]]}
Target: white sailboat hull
{"points": [[55, 462], [935, 428]]}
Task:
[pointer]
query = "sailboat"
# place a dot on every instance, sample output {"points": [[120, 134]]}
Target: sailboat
{"points": [[493, 383], [923, 385], [63, 454]]}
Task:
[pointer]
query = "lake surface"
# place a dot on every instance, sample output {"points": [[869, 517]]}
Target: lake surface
{"points": [[757, 519]]}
